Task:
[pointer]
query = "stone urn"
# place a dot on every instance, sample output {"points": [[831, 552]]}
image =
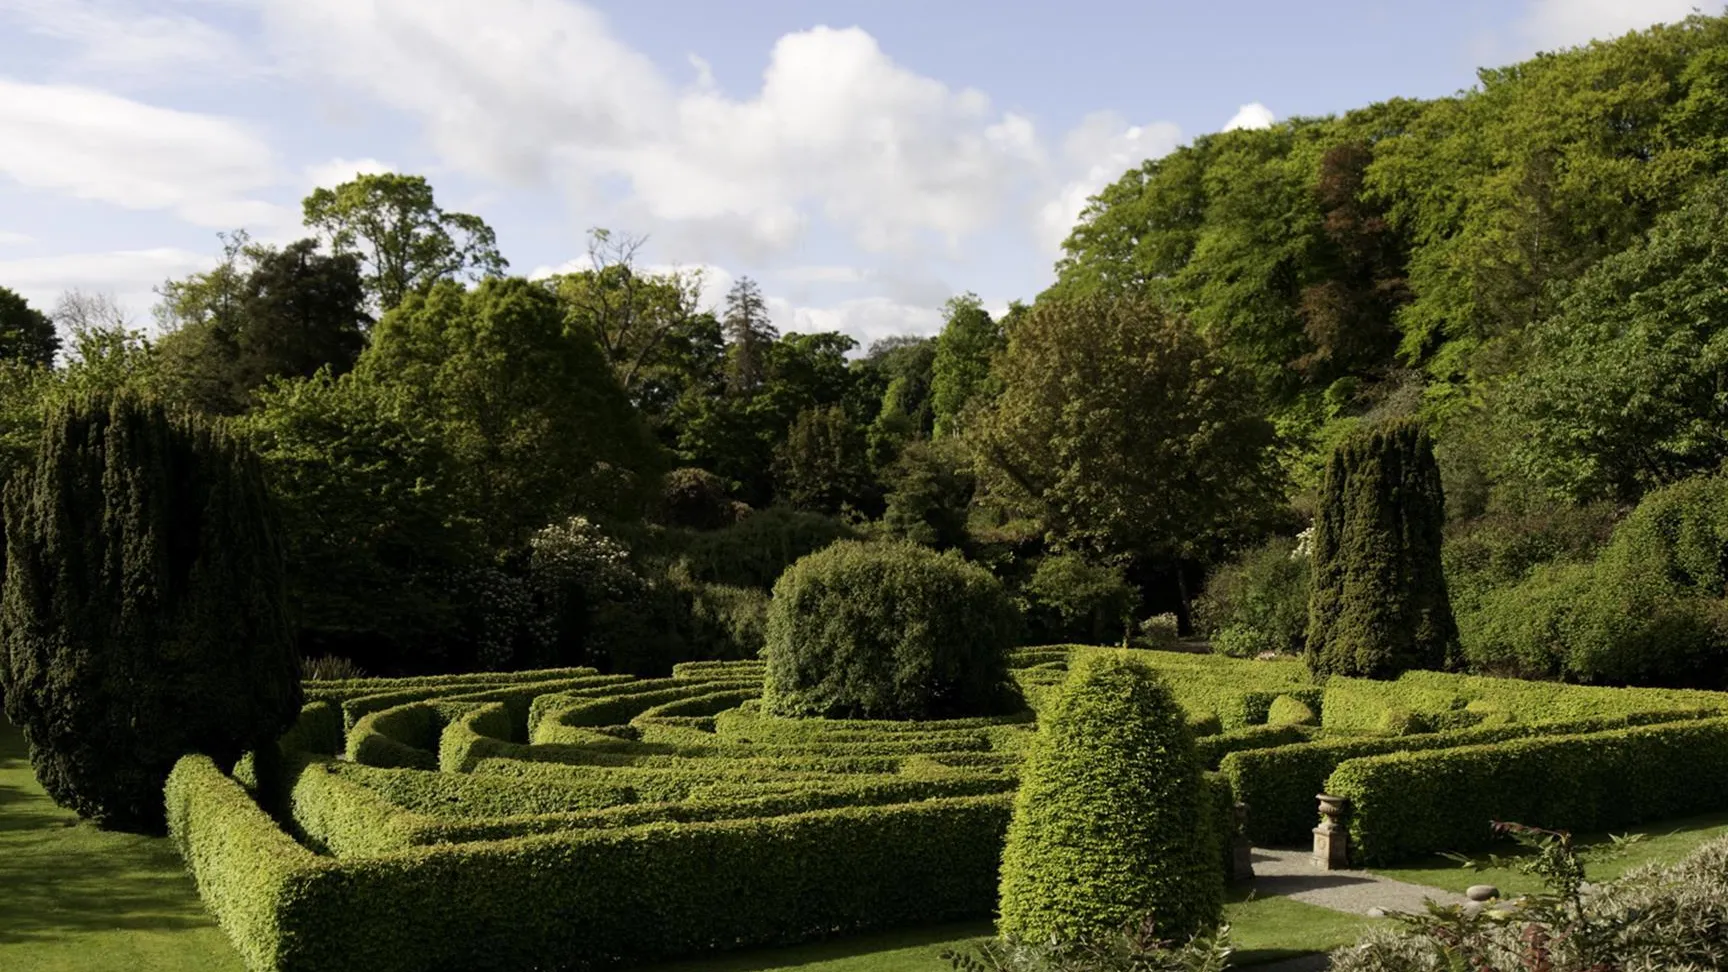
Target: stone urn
{"points": [[1331, 840]]}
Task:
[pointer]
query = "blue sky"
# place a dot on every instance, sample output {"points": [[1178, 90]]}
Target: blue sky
{"points": [[863, 161]]}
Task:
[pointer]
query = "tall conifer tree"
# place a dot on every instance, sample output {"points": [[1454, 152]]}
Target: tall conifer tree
{"points": [[143, 615], [1379, 604]]}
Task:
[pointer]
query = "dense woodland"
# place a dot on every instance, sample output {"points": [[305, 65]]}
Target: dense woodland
{"points": [[475, 470]]}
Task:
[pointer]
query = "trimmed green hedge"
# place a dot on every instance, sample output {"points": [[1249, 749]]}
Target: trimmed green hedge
{"points": [[318, 730], [1408, 804], [253, 877], [1279, 783], [1213, 749], [570, 900]]}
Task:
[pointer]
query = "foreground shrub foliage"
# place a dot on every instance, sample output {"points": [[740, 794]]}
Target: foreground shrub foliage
{"points": [[143, 614], [887, 631], [1108, 823], [1379, 604], [1136, 948], [1655, 919]]}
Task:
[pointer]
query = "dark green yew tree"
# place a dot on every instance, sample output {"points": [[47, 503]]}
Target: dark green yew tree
{"points": [[1108, 824], [1379, 605], [143, 615]]}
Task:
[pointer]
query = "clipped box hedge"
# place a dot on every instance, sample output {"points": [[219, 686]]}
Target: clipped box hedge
{"points": [[580, 898], [1404, 805], [1279, 783]]}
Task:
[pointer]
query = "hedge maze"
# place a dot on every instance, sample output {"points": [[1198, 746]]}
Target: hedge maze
{"points": [[567, 819]]}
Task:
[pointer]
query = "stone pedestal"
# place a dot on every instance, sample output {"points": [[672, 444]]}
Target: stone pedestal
{"points": [[1241, 851], [1331, 840]]}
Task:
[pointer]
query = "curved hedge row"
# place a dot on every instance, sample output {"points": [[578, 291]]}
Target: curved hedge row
{"points": [[421, 849]]}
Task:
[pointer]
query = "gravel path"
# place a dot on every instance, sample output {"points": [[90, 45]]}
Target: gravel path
{"points": [[1292, 874]]}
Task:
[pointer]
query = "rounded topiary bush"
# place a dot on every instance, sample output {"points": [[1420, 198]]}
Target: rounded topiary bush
{"points": [[1109, 820], [1290, 711], [887, 631]]}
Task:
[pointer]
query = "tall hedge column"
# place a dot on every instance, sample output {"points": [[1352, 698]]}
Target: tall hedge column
{"points": [[1379, 604], [143, 614], [1108, 822]]}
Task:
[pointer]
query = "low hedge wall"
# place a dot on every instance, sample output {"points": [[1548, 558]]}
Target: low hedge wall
{"points": [[1212, 749], [1437, 693], [318, 729], [253, 877], [1279, 783], [1408, 804], [583, 898]]}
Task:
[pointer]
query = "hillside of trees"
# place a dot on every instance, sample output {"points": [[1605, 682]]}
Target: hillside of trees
{"points": [[476, 470]]}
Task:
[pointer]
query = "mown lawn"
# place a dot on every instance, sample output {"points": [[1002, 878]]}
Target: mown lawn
{"points": [[77, 899], [1662, 843], [1263, 930]]}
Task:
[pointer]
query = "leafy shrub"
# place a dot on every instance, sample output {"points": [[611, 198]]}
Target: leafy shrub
{"points": [[329, 668], [721, 622], [930, 489], [1413, 803], [1070, 600], [696, 499], [1504, 546], [143, 616], [887, 631], [1379, 604], [1160, 632], [1106, 818], [1654, 918], [1257, 602], [1647, 611]]}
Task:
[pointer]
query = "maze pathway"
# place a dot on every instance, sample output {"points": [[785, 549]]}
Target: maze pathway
{"points": [[1291, 873]]}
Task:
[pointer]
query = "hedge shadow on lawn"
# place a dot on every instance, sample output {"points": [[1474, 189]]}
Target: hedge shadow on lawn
{"points": [[63, 877]]}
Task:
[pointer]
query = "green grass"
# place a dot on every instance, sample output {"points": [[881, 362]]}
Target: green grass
{"points": [[1663, 843], [907, 950], [1269, 929], [77, 899], [1262, 929]]}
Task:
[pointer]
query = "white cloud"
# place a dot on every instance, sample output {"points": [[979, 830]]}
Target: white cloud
{"points": [[113, 37], [1098, 151], [329, 175], [524, 90], [95, 145], [9, 238], [1553, 24], [823, 274], [866, 320], [130, 275], [1251, 115]]}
